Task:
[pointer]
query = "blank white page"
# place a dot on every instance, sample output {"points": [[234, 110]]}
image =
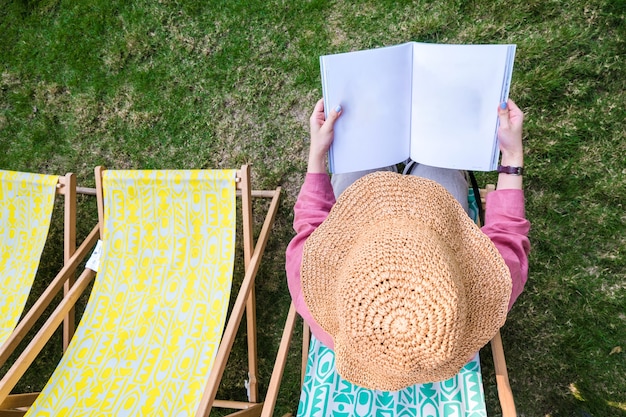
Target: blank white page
{"points": [[456, 93], [374, 89]]}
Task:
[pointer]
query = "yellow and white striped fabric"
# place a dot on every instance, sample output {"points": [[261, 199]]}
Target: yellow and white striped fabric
{"points": [[26, 203], [154, 320]]}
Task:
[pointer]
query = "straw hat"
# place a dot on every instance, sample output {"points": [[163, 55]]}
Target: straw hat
{"points": [[404, 282]]}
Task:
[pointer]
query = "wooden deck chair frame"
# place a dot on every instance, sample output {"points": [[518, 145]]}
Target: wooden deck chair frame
{"points": [[17, 404], [505, 393], [72, 257]]}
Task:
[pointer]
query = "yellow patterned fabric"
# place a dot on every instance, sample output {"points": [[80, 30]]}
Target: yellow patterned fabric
{"points": [[26, 203], [154, 320]]}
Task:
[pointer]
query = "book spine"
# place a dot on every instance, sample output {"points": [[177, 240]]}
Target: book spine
{"points": [[504, 96], [508, 72], [331, 167]]}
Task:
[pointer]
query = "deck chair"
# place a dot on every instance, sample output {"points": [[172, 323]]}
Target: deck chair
{"points": [[317, 376], [151, 340], [26, 205]]}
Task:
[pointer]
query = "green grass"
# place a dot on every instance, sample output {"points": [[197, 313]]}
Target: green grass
{"points": [[196, 84]]}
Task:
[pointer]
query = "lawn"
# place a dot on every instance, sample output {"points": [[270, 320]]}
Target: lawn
{"points": [[210, 84]]}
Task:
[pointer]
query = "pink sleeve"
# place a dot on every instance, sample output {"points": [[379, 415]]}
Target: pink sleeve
{"points": [[507, 227], [314, 202]]}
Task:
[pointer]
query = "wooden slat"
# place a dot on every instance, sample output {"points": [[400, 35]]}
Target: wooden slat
{"points": [[12, 413], [99, 197], [505, 394], [279, 364], [86, 191], [253, 410], [306, 343], [69, 247], [19, 400], [248, 247]]}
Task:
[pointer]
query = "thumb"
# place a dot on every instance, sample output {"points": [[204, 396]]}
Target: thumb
{"points": [[503, 115], [333, 115]]}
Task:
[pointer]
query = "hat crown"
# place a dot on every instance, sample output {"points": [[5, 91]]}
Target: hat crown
{"points": [[401, 300]]}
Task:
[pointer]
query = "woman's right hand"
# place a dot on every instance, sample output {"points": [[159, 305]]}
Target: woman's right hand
{"points": [[511, 148], [510, 134]]}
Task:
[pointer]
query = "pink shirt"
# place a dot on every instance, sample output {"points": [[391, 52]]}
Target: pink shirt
{"points": [[505, 224]]}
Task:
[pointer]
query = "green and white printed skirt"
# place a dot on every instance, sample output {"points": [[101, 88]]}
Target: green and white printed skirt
{"points": [[325, 393]]}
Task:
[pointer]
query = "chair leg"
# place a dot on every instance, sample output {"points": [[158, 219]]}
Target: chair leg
{"points": [[502, 378], [279, 364], [306, 342], [69, 247], [253, 384]]}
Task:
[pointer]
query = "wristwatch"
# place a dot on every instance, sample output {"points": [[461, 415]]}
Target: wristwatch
{"points": [[510, 170]]}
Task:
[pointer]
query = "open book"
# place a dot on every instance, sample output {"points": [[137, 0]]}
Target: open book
{"points": [[436, 104]]}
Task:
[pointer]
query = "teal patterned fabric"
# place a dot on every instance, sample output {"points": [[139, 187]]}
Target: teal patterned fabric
{"points": [[472, 204], [326, 394]]}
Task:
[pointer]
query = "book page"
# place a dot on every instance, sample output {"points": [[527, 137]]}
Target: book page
{"points": [[456, 93], [373, 88]]}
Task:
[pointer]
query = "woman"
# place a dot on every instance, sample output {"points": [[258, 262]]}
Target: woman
{"points": [[393, 276]]}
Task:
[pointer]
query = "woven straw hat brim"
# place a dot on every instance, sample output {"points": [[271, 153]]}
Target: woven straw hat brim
{"points": [[386, 201]]}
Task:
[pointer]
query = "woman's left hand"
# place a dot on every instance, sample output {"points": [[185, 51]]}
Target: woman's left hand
{"points": [[322, 134]]}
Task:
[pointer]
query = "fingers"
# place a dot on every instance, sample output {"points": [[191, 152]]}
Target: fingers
{"points": [[333, 115], [503, 114], [513, 107], [509, 114], [319, 121], [317, 117], [319, 106], [510, 133]]}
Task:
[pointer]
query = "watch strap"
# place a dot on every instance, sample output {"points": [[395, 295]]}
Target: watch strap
{"points": [[510, 170]]}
